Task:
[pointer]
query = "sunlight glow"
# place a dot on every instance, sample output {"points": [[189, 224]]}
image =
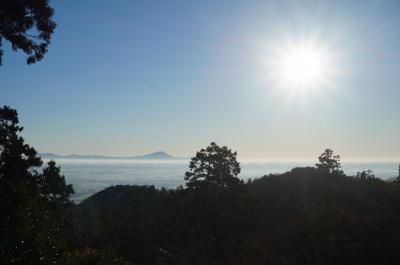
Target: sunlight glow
{"points": [[302, 66], [299, 71]]}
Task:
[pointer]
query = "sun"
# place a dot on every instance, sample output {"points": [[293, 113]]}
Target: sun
{"points": [[302, 66], [300, 69]]}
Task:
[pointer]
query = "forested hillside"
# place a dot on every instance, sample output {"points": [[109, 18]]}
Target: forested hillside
{"points": [[312, 215]]}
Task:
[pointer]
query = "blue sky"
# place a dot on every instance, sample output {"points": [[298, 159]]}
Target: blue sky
{"points": [[130, 77]]}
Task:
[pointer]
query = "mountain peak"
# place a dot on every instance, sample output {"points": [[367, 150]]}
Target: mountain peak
{"points": [[158, 155]]}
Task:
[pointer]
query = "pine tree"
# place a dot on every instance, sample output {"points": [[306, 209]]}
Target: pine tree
{"points": [[28, 232]]}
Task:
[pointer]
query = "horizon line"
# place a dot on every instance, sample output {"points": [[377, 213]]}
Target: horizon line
{"points": [[294, 159]]}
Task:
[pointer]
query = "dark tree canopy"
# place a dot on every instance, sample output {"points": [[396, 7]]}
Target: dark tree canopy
{"points": [[18, 163], [16, 157], [27, 25], [52, 184], [28, 229], [328, 162], [311, 215], [213, 166], [365, 174], [398, 176]]}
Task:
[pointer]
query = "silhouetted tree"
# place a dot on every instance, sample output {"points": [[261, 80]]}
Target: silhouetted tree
{"points": [[27, 25], [28, 232], [366, 174], [215, 166], [300, 217], [329, 163], [213, 212], [16, 157], [52, 184]]}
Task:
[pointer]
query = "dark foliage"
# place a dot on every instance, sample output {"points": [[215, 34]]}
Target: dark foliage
{"points": [[329, 163], [88, 256], [213, 166], [307, 216], [398, 177], [316, 217], [34, 207], [52, 185], [27, 25], [133, 220], [28, 231], [304, 216]]}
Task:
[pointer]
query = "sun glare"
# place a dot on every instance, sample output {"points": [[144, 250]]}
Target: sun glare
{"points": [[302, 66], [300, 70]]}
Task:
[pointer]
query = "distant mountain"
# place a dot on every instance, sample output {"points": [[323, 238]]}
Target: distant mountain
{"points": [[159, 155], [156, 155], [49, 155]]}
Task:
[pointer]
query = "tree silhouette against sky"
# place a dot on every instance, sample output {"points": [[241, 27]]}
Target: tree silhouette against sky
{"points": [[28, 26]]}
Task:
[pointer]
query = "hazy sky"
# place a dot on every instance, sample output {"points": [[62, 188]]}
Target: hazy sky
{"points": [[130, 77]]}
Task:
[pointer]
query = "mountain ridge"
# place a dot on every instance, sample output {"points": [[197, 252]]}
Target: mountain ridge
{"points": [[158, 155]]}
